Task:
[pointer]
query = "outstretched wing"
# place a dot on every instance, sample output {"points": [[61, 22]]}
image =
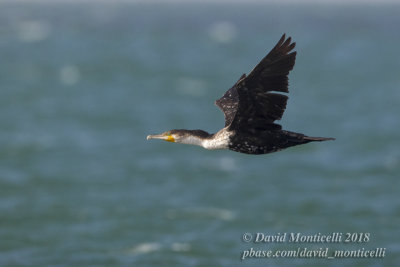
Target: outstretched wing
{"points": [[229, 102], [250, 103]]}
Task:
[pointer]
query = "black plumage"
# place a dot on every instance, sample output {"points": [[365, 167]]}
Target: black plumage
{"points": [[255, 102]]}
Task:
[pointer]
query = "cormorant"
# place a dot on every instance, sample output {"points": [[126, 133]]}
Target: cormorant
{"points": [[251, 108]]}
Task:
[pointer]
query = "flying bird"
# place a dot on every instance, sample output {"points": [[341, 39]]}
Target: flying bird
{"points": [[251, 108]]}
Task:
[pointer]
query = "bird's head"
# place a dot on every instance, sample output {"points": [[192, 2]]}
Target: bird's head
{"points": [[193, 137]]}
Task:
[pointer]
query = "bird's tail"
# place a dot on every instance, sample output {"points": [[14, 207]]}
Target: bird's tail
{"points": [[299, 138], [309, 138]]}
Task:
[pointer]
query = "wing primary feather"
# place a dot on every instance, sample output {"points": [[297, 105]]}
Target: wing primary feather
{"points": [[250, 102]]}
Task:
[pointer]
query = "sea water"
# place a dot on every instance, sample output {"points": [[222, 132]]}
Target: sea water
{"points": [[82, 85]]}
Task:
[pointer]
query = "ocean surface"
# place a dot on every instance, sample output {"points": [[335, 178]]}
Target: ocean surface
{"points": [[81, 85]]}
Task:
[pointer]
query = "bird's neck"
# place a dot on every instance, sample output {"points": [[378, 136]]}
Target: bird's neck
{"points": [[193, 140], [219, 140]]}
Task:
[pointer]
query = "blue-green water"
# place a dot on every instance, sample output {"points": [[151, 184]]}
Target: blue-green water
{"points": [[81, 86]]}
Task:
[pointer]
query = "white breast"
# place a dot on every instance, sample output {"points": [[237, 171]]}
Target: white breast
{"points": [[219, 141]]}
